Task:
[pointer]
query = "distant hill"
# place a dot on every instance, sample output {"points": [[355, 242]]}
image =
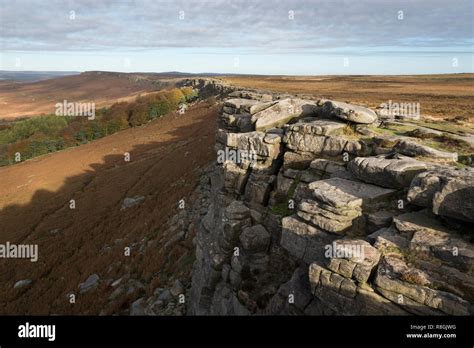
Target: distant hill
{"points": [[20, 98], [33, 75]]}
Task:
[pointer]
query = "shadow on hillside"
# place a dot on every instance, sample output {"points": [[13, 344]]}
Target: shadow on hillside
{"points": [[71, 242]]}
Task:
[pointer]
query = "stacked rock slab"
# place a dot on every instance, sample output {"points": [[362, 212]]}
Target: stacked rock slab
{"points": [[387, 171], [411, 147], [337, 203], [313, 138], [318, 221], [425, 266], [447, 191], [348, 112]]}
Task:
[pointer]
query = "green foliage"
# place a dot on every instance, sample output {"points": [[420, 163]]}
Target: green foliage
{"points": [[96, 131], [282, 209], [190, 93], [139, 114], [175, 97], [41, 135], [48, 125], [153, 112], [158, 109], [114, 126], [292, 189]]}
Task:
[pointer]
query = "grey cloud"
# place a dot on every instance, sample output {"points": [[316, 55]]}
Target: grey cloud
{"points": [[241, 24]]}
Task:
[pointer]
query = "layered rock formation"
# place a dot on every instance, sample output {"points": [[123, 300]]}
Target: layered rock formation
{"points": [[321, 220]]}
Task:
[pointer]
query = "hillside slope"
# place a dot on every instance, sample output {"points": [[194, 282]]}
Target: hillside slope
{"points": [[19, 99], [166, 158]]}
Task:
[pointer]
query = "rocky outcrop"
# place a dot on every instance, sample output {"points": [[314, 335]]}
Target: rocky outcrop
{"points": [[410, 147], [387, 171], [337, 205], [349, 112], [282, 112], [449, 192], [209, 87], [321, 220], [316, 137]]}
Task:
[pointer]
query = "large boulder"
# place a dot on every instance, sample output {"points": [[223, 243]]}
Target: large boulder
{"points": [[317, 127], [304, 241], [256, 149], [254, 142], [449, 192], [235, 177], [251, 95], [261, 106], [297, 288], [395, 172], [255, 239], [342, 296], [237, 105], [240, 122], [337, 204], [258, 188], [347, 194], [325, 169], [283, 111], [349, 112], [237, 211], [319, 137], [430, 241], [411, 288], [415, 149], [352, 258], [326, 217]]}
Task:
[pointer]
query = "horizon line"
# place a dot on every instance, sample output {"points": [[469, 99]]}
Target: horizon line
{"points": [[223, 74]]}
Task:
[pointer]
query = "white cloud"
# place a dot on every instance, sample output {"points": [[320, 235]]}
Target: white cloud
{"points": [[258, 26]]}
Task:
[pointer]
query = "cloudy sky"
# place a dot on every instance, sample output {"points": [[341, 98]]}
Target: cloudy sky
{"points": [[304, 37]]}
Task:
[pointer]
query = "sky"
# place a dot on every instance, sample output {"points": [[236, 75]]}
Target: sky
{"points": [[287, 37]]}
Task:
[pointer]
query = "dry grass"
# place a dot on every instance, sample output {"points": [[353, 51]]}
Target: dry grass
{"points": [[21, 99], [440, 96], [165, 157]]}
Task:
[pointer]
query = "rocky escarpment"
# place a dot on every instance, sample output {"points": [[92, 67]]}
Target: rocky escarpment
{"points": [[312, 212]]}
